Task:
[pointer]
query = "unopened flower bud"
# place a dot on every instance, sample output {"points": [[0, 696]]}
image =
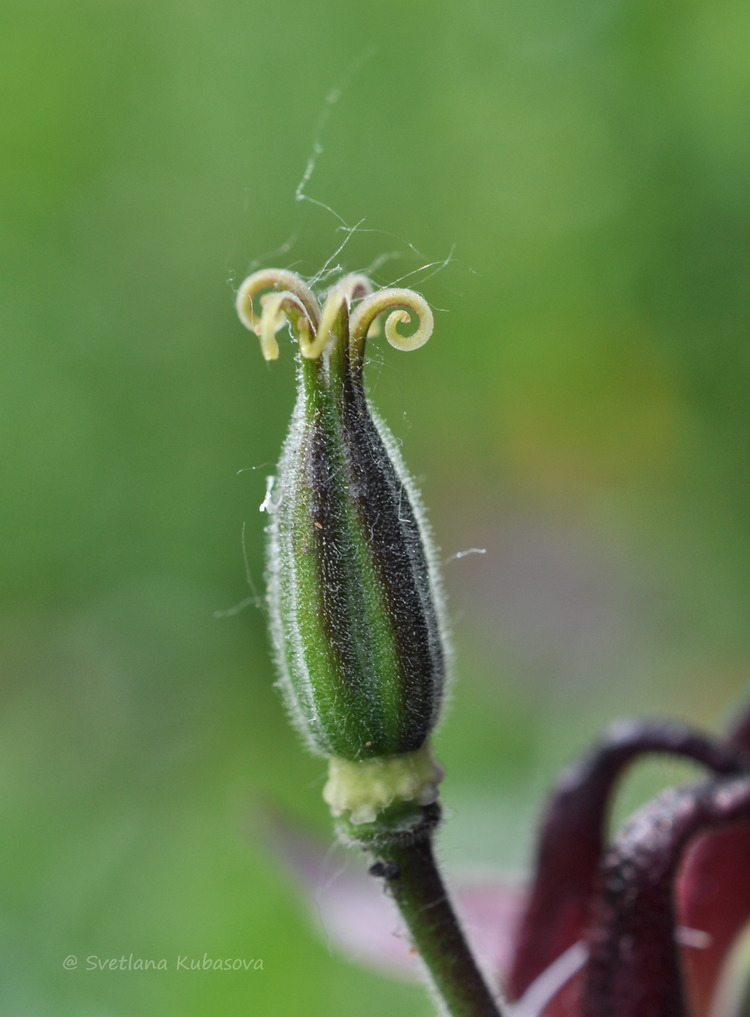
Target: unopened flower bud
{"points": [[353, 599]]}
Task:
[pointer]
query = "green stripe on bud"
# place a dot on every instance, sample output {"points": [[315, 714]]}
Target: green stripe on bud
{"points": [[352, 591]]}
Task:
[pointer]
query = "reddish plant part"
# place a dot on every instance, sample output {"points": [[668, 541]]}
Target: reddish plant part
{"points": [[572, 836], [572, 842], [634, 967]]}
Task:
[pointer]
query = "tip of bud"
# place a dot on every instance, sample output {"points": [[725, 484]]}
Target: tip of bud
{"points": [[283, 296]]}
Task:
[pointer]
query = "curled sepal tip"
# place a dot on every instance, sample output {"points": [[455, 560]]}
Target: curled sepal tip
{"points": [[283, 297], [402, 304]]}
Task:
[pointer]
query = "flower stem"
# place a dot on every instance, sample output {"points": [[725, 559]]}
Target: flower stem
{"points": [[412, 876]]}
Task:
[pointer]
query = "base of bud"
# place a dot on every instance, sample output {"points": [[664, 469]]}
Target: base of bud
{"points": [[361, 790]]}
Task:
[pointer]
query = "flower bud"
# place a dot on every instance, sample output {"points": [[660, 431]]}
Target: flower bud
{"points": [[354, 604]]}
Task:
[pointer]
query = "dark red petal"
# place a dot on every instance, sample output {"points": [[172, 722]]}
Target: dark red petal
{"points": [[713, 894], [713, 890], [571, 838], [634, 968]]}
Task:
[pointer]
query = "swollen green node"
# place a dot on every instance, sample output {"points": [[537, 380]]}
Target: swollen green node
{"points": [[363, 789]]}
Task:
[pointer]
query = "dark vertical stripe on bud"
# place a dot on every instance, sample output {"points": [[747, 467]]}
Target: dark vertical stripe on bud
{"points": [[388, 517]]}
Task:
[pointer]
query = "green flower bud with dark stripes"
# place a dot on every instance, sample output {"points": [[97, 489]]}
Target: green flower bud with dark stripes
{"points": [[353, 596]]}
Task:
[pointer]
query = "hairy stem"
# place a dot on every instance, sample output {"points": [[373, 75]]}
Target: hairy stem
{"points": [[412, 876]]}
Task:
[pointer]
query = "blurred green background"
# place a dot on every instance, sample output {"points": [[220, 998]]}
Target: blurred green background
{"points": [[581, 413]]}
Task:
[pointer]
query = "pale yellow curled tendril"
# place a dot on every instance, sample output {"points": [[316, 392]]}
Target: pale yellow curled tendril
{"points": [[331, 310], [276, 308], [356, 286], [346, 290], [404, 303], [278, 279]]}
